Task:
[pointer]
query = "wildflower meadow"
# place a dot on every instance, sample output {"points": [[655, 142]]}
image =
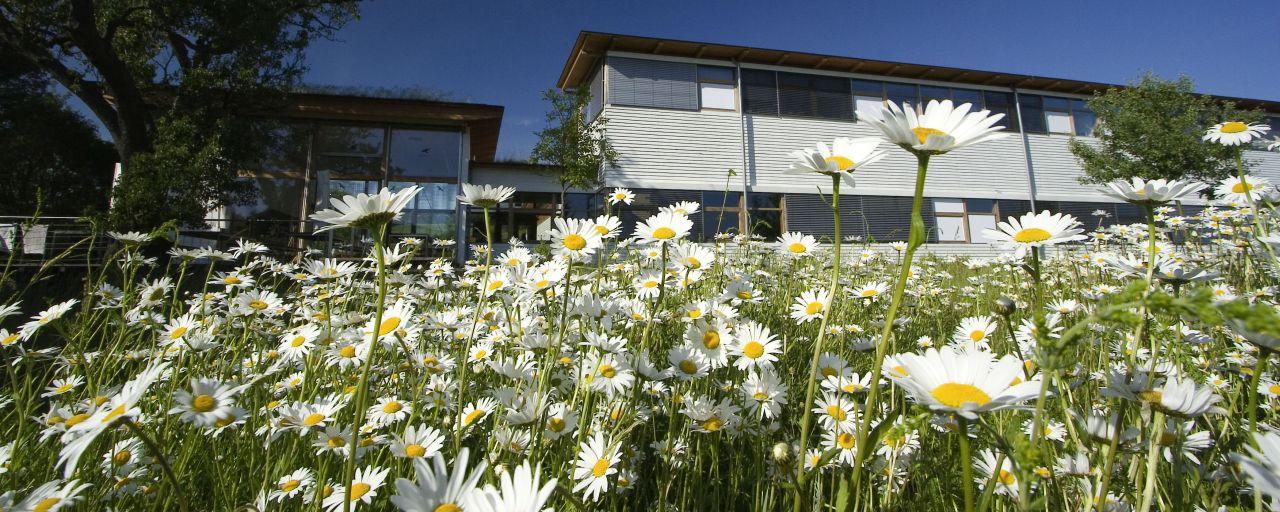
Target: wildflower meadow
{"points": [[1129, 367]]}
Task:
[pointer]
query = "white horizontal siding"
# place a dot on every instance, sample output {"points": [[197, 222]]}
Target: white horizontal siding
{"points": [[1265, 164], [673, 149], [995, 169], [1058, 172]]}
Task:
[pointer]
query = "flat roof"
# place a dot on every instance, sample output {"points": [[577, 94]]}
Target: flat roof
{"points": [[591, 47], [483, 121]]}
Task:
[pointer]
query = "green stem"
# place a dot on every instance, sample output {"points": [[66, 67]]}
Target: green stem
{"points": [[966, 464], [1153, 460], [914, 241], [1258, 369], [801, 478], [362, 391]]}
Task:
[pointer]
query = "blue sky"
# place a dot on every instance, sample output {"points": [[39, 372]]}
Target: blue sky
{"points": [[507, 52]]}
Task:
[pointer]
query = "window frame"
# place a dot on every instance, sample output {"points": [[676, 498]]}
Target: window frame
{"points": [[733, 82], [964, 216]]}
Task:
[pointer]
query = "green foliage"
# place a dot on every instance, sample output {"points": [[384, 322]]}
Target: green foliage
{"points": [[1152, 129], [171, 81], [576, 147], [48, 154]]}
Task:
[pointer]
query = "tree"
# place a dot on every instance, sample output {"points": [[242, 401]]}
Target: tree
{"points": [[577, 148], [176, 83], [1152, 129], [49, 154]]}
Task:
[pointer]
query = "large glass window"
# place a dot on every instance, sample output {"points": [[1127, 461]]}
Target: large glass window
{"points": [[759, 91], [716, 87], [1001, 103], [720, 213], [964, 220], [350, 151], [425, 154], [432, 212], [1082, 118], [286, 150], [899, 93], [1032, 108], [765, 214], [826, 97]]}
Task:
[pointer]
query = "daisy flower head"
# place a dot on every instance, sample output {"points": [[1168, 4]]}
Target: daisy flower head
{"points": [[364, 488], [810, 305], [1149, 192], [292, 484], [756, 347], [208, 401], [55, 495], [485, 196], [961, 382], [841, 159], [797, 244], [1183, 398], [685, 208], [596, 461], [975, 332], [1239, 191], [521, 490], [418, 442], [366, 210], [940, 128], [1235, 133], [1035, 230], [665, 227], [621, 195], [574, 238]]}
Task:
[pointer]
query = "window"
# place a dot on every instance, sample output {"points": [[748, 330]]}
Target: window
{"points": [[766, 214], [1083, 118], [653, 83], [967, 96], [928, 92], [721, 213], [759, 92], [950, 220], [1057, 115], [350, 151], [716, 86], [963, 220], [1001, 103], [425, 154], [286, 149], [899, 93], [431, 213], [724, 212], [868, 96], [825, 97], [1032, 109]]}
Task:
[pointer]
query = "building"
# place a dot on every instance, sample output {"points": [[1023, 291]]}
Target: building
{"points": [[330, 145], [682, 114]]}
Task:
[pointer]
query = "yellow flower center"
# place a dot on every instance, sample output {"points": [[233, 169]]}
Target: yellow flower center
{"points": [[414, 450], [827, 371], [473, 416], [1007, 477], [115, 413], [601, 229], [47, 504], [203, 403], [359, 489], [1234, 127], [797, 248], [8, 340], [177, 333], [1274, 389], [392, 407], [845, 440], [388, 325], [312, 419], [977, 335], [258, 305], [954, 394], [688, 367], [122, 457], [693, 262], [760, 396], [870, 292], [298, 341], [813, 308], [348, 351], [753, 350], [447, 507], [1240, 188], [664, 233], [1030, 235], [1151, 396], [77, 419], [231, 280], [651, 284], [556, 425], [600, 468], [744, 294], [836, 413], [336, 442], [713, 424], [842, 163], [711, 340], [290, 485], [63, 389], [922, 133], [574, 242]]}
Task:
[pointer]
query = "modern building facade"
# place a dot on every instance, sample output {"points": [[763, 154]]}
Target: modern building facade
{"points": [[683, 114]]}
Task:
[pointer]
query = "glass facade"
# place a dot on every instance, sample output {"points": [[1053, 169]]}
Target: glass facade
{"points": [[310, 164]]}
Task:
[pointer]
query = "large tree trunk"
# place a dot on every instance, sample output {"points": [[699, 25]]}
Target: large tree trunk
{"points": [[131, 118]]}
